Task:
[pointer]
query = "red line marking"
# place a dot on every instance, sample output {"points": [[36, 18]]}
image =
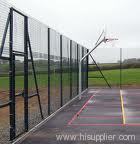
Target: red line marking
{"points": [[100, 117], [103, 117], [132, 95], [105, 103], [131, 105], [132, 116], [103, 106], [87, 124], [77, 114], [132, 124]]}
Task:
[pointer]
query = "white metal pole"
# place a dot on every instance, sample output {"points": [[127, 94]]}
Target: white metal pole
{"points": [[80, 65], [80, 81]]}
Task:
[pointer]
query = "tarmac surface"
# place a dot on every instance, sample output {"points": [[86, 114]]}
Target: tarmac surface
{"points": [[103, 116]]}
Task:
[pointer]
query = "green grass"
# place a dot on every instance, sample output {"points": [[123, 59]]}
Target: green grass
{"points": [[129, 77], [42, 80]]}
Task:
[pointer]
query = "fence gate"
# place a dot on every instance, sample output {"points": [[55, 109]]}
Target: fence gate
{"points": [[18, 73]]}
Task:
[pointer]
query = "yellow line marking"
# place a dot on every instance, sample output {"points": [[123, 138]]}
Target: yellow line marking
{"points": [[122, 106]]}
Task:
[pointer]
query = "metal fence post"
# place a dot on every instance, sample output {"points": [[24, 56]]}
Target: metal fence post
{"points": [[70, 69], [120, 68], [12, 80], [87, 70], [82, 67], [49, 109], [26, 73], [77, 68], [61, 71]]}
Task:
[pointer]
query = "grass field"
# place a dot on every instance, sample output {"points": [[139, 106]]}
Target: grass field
{"points": [[129, 77], [42, 80]]}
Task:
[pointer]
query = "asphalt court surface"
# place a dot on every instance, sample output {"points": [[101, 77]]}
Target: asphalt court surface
{"points": [[103, 107], [110, 107], [111, 111], [131, 98]]}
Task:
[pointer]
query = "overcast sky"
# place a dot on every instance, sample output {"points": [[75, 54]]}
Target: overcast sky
{"points": [[83, 20]]}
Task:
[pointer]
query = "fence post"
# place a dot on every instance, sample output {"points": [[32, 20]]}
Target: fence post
{"points": [[26, 72], [82, 67], [77, 68], [120, 68], [49, 110], [70, 69], [12, 80], [61, 71], [87, 70]]}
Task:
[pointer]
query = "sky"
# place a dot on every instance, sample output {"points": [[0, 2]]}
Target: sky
{"points": [[84, 20]]}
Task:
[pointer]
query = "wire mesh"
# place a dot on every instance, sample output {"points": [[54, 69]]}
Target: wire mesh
{"points": [[19, 87], [55, 70], [4, 11], [74, 69], [37, 71], [18, 30], [38, 34], [4, 98], [65, 69], [4, 75]]}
